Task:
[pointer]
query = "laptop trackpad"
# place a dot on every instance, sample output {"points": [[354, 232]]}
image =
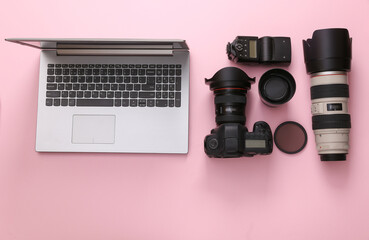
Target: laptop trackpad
{"points": [[93, 129]]}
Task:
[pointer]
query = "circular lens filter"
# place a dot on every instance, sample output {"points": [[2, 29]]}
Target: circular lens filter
{"points": [[290, 137]]}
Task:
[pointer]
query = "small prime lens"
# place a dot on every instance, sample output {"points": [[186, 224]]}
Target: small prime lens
{"points": [[328, 59]]}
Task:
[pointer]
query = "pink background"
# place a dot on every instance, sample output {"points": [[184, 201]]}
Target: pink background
{"points": [[71, 196]]}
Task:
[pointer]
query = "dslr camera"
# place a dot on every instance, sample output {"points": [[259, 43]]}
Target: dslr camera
{"points": [[231, 138], [265, 50]]}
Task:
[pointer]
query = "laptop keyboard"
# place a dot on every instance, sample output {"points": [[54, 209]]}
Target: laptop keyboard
{"points": [[119, 85]]}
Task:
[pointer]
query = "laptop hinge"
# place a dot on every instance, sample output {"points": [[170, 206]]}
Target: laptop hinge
{"points": [[104, 49], [114, 52]]}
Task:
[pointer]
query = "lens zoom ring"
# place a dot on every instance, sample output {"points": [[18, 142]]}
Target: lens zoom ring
{"points": [[331, 121], [331, 90]]}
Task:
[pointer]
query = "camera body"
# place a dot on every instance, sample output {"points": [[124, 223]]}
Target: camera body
{"points": [[231, 140], [265, 50]]}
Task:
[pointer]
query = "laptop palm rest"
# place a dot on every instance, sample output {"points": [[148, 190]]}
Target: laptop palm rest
{"points": [[93, 129]]}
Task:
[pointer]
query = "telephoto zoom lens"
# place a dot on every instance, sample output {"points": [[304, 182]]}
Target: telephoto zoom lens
{"points": [[328, 61]]}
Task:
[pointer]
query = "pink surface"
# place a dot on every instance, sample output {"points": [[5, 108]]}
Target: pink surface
{"points": [[71, 196]]}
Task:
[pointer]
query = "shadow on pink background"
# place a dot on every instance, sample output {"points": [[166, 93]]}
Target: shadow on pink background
{"points": [[78, 196]]}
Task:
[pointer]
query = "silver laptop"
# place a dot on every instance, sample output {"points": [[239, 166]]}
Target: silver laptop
{"points": [[112, 95]]}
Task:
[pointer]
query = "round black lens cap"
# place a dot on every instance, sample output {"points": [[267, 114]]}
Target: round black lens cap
{"points": [[290, 137], [276, 87]]}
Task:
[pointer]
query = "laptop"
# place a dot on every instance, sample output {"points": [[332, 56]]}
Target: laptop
{"points": [[112, 95]]}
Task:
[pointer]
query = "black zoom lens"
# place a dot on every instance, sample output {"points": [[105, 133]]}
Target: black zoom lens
{"points": [[230, 86]]}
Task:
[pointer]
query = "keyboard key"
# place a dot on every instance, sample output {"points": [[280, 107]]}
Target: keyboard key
{"points": [[122, 87], [171, 66], [171, 103], [50, 71], [51, 94], [171, 87], [150, 103], [114, 87], [91, 87], [147, 87], [95, 94], [98, 86], [165, 95], [66, 78], [112, 79], [79, 94], [50, 65], [178, 72], [117, 102], [171, 72], [134, 80], [133, 102], [106, 87], [50, 79], [127, 79], [97, 79], [104, 79], [129, 87], [142, 79], [178, 83], [95, 102], [119, 79], [171, 94], [72, 102], [57, 102], [141, 71], [110, 94], [102, 94], [133, 71], [111, 71], [88, 94], [81, 71], [147, 94], [49, 102], [137, 87], [177, 99], [162, 103], [142, 103], [84, 86], [72, 94], [125, 103], [59, 79], [150, 72], [64, 102], [68, 86], [125, 94], [64, 94], [133, 94], [150, 80], [51, 86], [178, 66], [65, 71], [117, 94]]}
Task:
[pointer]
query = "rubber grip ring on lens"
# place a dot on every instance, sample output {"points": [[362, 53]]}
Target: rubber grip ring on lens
{"points": [[331, 121], [326, 91]]}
